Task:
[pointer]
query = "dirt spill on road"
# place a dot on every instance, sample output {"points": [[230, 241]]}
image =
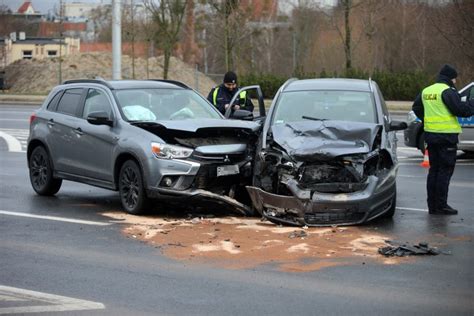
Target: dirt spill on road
{"points": [[238, 243]]}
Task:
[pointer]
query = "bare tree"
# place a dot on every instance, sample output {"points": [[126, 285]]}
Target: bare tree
{"points": [[455, 23], [231, 17], [167, 17]]}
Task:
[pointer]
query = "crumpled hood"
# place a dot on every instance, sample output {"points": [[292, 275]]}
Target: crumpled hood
{"points": [[199, 124], [309, 140]]}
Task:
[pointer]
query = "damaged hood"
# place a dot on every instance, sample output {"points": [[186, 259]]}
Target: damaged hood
{"points": [[308, 140], [194, 126]]}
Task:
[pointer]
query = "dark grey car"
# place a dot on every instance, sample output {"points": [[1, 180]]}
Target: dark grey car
{"points": [[327, 154], [145, 139]]}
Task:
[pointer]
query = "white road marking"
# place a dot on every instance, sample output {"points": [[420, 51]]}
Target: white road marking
{"points": [[410, 176], [18, 135], [44, 302], [412, 209], [13, 144], [55, 218]]}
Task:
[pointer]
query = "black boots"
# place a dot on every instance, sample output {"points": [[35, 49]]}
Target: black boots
{"points": [[448, 210]]}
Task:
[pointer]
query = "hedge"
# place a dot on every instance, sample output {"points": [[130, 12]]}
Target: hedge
{"points": [[403, 86]]}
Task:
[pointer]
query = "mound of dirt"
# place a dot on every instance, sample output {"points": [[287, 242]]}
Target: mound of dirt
{"points": [[40, 76]]}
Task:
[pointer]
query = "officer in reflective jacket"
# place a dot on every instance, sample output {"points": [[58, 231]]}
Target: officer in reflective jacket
{"points": [[221, 95], [438, 106]]}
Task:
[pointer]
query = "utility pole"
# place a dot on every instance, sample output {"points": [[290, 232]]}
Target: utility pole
{"points": [[132, 13], [116, 40], [61, 17]]}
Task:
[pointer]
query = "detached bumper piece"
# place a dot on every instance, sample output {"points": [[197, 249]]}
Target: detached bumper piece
{"points": [[322, 209], [402, 250]]}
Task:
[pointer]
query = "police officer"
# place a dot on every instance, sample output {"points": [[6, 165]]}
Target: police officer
{"points": [[221, 95], [438, 106]]}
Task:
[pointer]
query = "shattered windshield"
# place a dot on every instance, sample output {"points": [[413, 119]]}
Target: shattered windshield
{"points": [[353, 106], [163, 104]]}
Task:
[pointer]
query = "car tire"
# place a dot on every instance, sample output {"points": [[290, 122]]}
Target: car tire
{"points": [[131, 188], [41, 173], [393, 206]]}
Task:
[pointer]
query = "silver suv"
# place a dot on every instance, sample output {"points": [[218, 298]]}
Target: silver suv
{"points": [[145, 139]]}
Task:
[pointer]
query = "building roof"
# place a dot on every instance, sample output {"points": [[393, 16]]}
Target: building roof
{"points": [[25, 6], [39, 41]]}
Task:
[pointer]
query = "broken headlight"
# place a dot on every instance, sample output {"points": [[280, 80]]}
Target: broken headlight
{"points": [[170, 151]]}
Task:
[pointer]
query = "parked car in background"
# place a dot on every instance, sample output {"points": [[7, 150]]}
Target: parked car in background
{"points": [[145, 139], [326, 155], [414, 135]]}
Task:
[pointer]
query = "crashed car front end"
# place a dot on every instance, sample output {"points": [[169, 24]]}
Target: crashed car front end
{"points": [[216, 168], [324, 173]]}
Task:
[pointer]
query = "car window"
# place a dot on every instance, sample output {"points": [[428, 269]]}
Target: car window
{"points": [[52, 104], [69, 103], [163, 104], [471, 93], [354, 106], [96, 101]]}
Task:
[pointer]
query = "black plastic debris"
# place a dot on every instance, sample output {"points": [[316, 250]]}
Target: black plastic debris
{"points": [[402, 250], [297, 234]]}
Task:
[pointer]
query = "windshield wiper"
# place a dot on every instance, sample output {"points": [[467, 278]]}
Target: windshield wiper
{"points": [[313, 118]]}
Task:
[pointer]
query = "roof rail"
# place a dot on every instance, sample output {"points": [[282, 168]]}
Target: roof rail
{"points": [[370, 85], [288, 82], [99, 81], [175, 82]]}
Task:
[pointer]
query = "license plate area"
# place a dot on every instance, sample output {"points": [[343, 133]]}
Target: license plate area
{"points": [[227, 170]]}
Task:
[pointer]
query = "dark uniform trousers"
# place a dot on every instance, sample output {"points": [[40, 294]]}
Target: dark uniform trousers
{"points": [[442, 162]]}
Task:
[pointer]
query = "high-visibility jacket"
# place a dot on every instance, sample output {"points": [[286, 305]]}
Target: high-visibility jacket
{"points": [[242, 96], [438, 118]]}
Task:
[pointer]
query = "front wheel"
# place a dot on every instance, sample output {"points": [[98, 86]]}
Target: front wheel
{"points": [[41, 173], [131, 188], [391, 212]]}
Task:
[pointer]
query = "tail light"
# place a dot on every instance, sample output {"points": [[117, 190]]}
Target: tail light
{"points": [[32, 118]]}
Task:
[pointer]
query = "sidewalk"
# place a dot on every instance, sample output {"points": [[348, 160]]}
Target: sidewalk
{"points": [[21, 99]]}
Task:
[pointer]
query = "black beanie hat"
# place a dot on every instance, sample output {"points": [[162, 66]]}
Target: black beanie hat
{"points": [[230, 77], [448, 71]]}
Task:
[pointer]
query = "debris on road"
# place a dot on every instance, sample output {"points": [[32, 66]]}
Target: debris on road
{"points": [[402, 250], [298, 234], [240, 243]]}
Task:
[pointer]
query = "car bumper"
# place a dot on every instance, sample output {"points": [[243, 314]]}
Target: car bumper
{"points": [[191, 182], [323, 209]]}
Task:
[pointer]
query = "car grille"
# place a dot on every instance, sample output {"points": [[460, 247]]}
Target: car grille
{"points": [[335, 215], [231, 158], [207, 179]]}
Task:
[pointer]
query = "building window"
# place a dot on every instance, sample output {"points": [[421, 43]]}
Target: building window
{"points": [[27, 54], [52, 53]]}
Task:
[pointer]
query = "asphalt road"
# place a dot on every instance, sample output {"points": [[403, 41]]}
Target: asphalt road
{"points": [[70, 250]]}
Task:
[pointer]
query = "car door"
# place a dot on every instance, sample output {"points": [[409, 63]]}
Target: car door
{"points": [[466, 138], [97, 142], [251, 91], [63, 136]]}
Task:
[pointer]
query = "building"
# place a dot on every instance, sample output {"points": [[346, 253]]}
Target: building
{"points": [[78, 11], [13, 49], [27, 11]]}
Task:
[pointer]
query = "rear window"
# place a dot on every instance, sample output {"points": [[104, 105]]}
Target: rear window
{"points": [[69, 103], [54, 101]]}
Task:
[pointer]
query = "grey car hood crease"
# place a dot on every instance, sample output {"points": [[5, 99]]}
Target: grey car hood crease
{"points": [[325, 139], [195, 125]]}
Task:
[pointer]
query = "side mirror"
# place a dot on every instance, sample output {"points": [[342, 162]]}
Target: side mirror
{"points": [[242, 115], [100, 118], [397, 126]]}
